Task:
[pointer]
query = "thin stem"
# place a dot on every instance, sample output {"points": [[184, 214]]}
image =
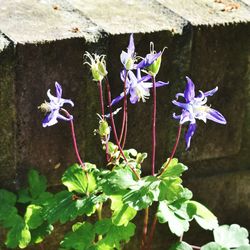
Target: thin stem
{"points": [[125, 130], [151, 235], [101, 98], [74, 138], [153, 126], [174, 149], [124, 107], [114, 129], [102, 110], [145, 229], [195, 247]]}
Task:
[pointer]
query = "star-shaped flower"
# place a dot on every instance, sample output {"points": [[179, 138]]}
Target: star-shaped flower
{"points": [[196, 108], [128, 58], [53, 107], [137, 87]]}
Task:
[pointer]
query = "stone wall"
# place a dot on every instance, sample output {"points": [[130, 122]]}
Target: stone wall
{"points": [[43, 41]]}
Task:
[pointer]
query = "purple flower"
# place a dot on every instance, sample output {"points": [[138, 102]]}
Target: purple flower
{"points": [[196, 108], [53, 107], [137, 87], [128, 58], [151, 62]]}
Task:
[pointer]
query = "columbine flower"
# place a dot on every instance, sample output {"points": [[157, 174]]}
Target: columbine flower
{"points": [[128, 58], [53, 107], [196, 108], [151, 62], [137, 87], [97, 65]]}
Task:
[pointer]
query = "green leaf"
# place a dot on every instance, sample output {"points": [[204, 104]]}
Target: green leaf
{"points": [[231, 236], [204, 217], [174, 169], [118, 180], [181, 246], [75, 179], [113, 235], [37, 183], [7, 197], [213, 246], [67, 207], [81, 237], [7, 208], [172, 190], [24, 196], [38, 234], [143, 193], [176, 224], [122, 213], [19, 235], [33, 216]]}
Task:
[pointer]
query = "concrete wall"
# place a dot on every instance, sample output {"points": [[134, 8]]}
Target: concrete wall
{"points": [[44, 41]]}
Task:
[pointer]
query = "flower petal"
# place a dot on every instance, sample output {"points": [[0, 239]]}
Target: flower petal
{"points": [[117, 99], [59, 116], [180, 104], [215, 116], [50, 119], [124, 57], [131, 45], [189, 134], [211, 92], [58, 90], [189, 92], [161, 83]]}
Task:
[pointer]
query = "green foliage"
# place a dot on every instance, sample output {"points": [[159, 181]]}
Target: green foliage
{"points": [[79, 181], [120, 189], [80, 238], [229, 237], [143, 193], [113, 235]]}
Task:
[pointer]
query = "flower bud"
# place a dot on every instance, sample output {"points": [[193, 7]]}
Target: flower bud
{"points": [[154, 68]]}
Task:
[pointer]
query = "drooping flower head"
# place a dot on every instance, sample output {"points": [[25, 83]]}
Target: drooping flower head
{"points": [[137, 86], [53, 107], [128, 58], [196, 108], [97, 66], [152, 61]]}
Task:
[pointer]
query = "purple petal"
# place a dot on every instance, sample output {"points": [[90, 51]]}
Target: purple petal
{"points": [[50, 119], [160, 84], [58, 90], [118, 98], [59, 116], [144, 78], [216, 116], [211, 92], [180, 104], [186, 117], [131, 45], [132, 77], [152, 57], [133, 96], [189, 134], [189, 92], [124, 58]]}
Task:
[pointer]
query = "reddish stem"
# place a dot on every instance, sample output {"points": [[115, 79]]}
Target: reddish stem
{"points": [[114, 129], [74, 138], [195, 247], [153, 126], [125, 131], [102, 110], [124, 107], [151, 235], [174, 148], [145, 229]]}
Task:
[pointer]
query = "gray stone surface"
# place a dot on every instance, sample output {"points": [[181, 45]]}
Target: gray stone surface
{"points": [[45, 20], [209, 12], [120, 16]]}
